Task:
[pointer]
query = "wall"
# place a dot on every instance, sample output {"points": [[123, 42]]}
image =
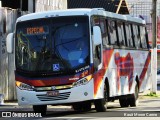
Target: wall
{"points": [[7, 79], [3, 54]]}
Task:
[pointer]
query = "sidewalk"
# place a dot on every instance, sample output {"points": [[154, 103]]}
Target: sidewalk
{"points": [[146, 94]]}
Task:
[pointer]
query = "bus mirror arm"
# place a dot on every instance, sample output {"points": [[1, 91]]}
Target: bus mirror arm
{"points": [[9, 42], [97, 36]]}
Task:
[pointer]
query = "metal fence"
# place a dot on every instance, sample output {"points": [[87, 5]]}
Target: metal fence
{"points": [[144, 9]]}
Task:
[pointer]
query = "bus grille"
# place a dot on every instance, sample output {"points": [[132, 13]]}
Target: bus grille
{"points": [[62, 96]]}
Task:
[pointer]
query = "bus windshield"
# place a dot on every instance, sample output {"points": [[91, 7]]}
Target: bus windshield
{"points": [[52, 45]]}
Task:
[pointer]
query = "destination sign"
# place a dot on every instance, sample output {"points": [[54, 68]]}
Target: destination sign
{"points": [[35, 30]]}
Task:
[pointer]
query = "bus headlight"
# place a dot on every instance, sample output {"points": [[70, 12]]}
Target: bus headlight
{"points": [[82, 81], [24, 86]]}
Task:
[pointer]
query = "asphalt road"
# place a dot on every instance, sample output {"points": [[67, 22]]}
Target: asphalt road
{"points": [[147, 107]]}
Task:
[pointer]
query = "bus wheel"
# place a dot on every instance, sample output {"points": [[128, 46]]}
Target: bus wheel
{"points": [[101, 104], [133, 100], [40, 109], [124, 102]]}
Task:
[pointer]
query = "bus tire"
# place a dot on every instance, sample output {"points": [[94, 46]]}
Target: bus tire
{"points": [[133, 100], [40, 109], [124, 102], [101, 104]]}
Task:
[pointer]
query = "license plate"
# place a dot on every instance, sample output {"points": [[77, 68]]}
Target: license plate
{"points": [[52, 93]]}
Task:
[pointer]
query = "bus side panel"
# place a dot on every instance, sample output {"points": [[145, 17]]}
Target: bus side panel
{"points": [[120, 73], [121, 67], [99, 75], [145, 77], [130, 64]]}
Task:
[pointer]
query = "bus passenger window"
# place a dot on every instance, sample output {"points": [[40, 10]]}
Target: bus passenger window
{"points": [[129, 35], [104, 31], [143, 37], [101, 22], [121, 33], [112, 32], [136, 35]]}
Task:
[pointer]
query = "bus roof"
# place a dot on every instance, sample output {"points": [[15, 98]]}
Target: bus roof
{"points": [[82, 11], [55, 13]]}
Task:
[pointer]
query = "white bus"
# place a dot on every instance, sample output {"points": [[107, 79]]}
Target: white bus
{"points": [[79, 57]]}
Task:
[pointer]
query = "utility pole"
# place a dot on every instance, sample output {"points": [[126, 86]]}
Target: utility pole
{"points": [[21, 5], [154, 47], [31, 6]]}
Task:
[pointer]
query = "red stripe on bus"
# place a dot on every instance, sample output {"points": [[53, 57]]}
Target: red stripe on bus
{"points": [[45, 82], [124, 67], [53, 80], [141, 78]]}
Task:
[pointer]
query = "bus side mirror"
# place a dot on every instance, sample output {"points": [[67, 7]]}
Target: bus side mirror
{"points": [[97, 36], [9, 42]]}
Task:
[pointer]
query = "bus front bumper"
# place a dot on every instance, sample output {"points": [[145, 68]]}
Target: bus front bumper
{"points": [[75, 94]]}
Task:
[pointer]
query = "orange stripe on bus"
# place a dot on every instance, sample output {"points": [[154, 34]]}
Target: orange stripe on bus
{"points": [[98, 77]]}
